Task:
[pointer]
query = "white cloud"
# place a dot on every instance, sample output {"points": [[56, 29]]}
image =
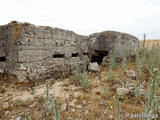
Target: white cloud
{"points": [[86, 16]]}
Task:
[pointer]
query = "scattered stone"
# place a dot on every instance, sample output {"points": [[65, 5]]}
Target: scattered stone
{"points": [[63, 107], [33, 104], [101, 102], [74, 88], [143, 92], [87, 111], [105, 112], [84, 102], [111, 116], [22, 67], [122, 91], [96, 78], [73, 110], [18, 118], [111, 107], [131, 74], [5, 105], [6, 112], [155, 69], [94, 67]]}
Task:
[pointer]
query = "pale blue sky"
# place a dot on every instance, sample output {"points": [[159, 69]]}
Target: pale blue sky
{"points": [[87, 16]]}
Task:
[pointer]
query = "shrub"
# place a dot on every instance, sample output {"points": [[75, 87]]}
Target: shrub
{"points": [[118, 117], [56, 113]]}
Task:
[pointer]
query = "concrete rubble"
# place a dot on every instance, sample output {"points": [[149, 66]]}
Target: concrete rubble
{"points": [[93, 67]]}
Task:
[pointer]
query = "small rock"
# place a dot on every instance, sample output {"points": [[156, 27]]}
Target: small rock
{"points": [[131, 73], [122, 91], [5, 105], [33, 104], [96, 78], [111, 107], [74, 88], [63, 107], [22, 67], [105, 112], [7, 112], [143, 92], [101, 102], [87, 111], [18, 118], [155, 69], [94, 67], [73, 110], [110, 116], [84, 102]]}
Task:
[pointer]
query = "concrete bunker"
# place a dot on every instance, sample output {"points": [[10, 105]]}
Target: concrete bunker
{"points": [[103, 43], [33, 52]]}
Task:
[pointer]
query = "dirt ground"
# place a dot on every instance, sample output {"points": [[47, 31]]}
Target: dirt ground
{"points": [[74, 102]]}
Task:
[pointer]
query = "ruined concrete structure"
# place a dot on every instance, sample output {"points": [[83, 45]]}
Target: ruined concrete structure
{"points": [[32, 52], [110, 41]]}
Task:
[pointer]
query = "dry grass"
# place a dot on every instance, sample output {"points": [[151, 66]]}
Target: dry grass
{"points": [[150, 43]]}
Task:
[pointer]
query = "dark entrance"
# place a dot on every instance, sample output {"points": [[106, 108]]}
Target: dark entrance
{"points": [[99, 57], [75, 55], [2, 59], [58, 56]]}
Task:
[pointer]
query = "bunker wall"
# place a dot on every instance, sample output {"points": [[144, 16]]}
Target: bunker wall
{"points": [[45, 51], [8, 49]]}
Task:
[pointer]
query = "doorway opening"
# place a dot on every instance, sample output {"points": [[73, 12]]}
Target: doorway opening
{"points": [[99, 57]]}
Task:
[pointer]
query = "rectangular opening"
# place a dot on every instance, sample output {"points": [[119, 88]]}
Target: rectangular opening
{"points": [[58, 56], [2, 59], [85, 53], [75, 54]]}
